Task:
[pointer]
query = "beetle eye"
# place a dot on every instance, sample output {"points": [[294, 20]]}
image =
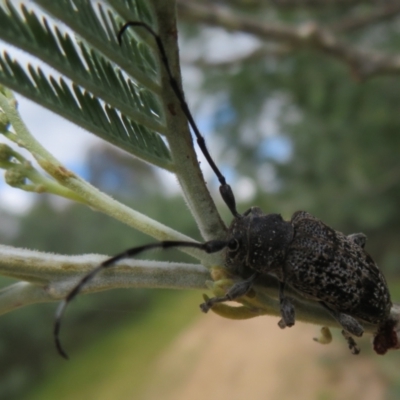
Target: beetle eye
{"points": [[233, 245]]}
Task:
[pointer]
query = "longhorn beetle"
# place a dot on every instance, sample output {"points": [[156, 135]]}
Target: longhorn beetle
{"points": [[315, 260]]}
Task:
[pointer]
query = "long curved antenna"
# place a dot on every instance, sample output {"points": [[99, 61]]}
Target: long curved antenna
{"points": [[225, 189], [211, 246]]}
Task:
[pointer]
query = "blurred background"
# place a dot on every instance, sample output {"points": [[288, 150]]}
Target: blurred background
{"points": [[292, 129]]}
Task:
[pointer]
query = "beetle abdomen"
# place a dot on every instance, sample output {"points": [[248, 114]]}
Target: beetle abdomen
{"points": [[328, 266]]}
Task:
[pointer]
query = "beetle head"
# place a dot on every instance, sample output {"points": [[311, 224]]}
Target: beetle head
{"points": [[257, 242]]}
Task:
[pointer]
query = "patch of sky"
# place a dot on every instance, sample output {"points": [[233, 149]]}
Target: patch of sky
{"points": [[223, 115], [277, 148]]}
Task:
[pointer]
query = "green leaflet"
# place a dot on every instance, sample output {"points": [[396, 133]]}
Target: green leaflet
{"points": [[108, 89]]}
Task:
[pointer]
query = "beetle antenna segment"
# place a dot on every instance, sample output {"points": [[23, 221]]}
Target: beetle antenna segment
{"points": [[211, 246], [225, 189]]}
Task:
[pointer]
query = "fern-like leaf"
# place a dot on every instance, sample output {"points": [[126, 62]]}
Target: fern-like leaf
{"points": [[119, 105]]}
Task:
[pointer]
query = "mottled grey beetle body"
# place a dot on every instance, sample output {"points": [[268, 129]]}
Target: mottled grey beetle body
{"points": [[317, 261], [320, 263], [328, 266]]}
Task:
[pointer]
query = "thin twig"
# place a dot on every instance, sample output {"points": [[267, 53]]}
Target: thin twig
{"points": [[349, 24], [363, 63]]}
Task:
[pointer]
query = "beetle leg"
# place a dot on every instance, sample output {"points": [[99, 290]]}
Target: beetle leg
{"points": [[350, 324], [287, 309], [239, 289], [351, 342]]}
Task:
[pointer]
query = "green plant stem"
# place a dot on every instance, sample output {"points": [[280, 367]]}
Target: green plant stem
{"points": [[189, 174], [50, 277], [92, 196]]}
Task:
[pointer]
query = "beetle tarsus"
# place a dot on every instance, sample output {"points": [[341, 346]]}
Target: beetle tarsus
{"points": [[351, 342]]}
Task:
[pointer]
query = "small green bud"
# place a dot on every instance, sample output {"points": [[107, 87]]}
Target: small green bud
{"points": [[6, 152], [15, 177], [4, 122], [6, 92]]}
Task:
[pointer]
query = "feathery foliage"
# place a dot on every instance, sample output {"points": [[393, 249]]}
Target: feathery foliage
{"points": [[117, 100], [119, 93]]}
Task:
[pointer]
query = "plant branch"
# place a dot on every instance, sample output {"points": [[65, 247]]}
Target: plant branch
{"points": [[312, 3], [293, 4], [363, 63], [50, 277], [89, 194], [179, 138], [258, 54], [349, 24]]}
